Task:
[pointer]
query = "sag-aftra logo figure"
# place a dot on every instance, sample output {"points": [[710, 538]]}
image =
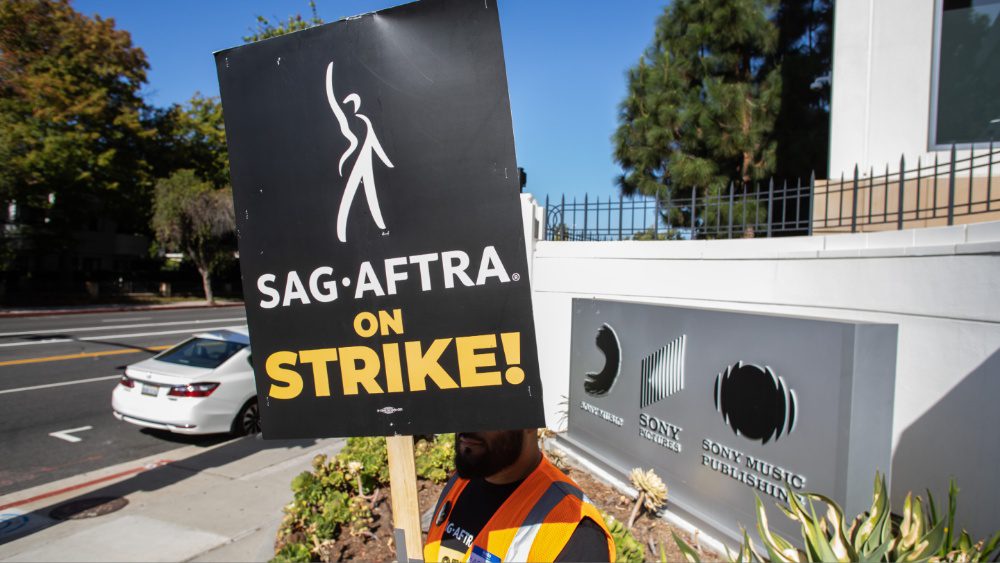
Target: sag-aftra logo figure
{"points": [[362, 172]]}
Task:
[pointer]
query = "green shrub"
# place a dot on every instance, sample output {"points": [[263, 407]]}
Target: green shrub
{"points": [[334, 495], [293, 553], [920, 535], [435, 459], [629, 549], [319, 508], [371, 452]]}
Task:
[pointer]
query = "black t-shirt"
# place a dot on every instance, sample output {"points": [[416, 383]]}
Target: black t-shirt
{"points": [[476, 505]]}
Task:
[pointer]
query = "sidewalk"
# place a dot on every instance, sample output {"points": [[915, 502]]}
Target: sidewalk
{"points": [[114, 308], [221, 503]]}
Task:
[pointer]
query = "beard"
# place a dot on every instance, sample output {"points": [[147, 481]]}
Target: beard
{"points": [[494, 455]]}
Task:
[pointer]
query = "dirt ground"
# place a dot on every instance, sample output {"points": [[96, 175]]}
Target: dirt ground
{"points": [[376, 543]]}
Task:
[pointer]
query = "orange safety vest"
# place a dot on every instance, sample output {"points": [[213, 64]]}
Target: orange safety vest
{"points": [[533, 524]]}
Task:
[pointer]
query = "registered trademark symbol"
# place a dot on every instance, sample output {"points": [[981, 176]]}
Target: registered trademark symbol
{"points": [[515, 277]]}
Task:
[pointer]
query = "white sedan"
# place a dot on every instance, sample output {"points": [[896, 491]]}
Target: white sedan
{"points": [[204, 385]]}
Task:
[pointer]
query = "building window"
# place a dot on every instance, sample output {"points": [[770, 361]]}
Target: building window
{"points": [[967, 72]]}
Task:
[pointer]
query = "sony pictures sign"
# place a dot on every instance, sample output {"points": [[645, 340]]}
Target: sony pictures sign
{"points": [[377, 208], [726, 405]]}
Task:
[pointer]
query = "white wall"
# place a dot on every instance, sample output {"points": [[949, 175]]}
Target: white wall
{"points": [[880, 104], [940, 286], [881, 99]]}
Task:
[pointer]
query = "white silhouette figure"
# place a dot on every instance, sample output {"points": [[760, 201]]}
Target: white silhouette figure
{"points": [[362, 171]]}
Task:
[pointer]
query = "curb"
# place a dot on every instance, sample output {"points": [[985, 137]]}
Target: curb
{"points": [[73, 485], [112, 309]]}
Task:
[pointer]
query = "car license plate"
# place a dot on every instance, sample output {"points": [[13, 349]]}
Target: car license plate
{"points": [[151, 390]]}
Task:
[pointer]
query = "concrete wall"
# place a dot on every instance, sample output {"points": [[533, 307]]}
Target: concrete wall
{"points": [[881, 99], [941, 286]]}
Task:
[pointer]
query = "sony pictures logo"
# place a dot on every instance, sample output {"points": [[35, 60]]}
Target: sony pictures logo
{"points": [[755, 402]]}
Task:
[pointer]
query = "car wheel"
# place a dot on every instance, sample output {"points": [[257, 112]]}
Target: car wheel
{"points": [[248, 419]]}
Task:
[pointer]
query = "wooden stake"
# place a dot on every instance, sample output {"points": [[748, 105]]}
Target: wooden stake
{"points": [[405, 508]]}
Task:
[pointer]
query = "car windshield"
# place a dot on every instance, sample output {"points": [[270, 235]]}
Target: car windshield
{"points": [[201, 352]]}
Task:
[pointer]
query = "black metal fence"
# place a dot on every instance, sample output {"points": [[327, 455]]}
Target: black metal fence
{"points": [[925, 195]]}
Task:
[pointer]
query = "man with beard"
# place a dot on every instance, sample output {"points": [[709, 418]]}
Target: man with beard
{"points": [[507, 502]]}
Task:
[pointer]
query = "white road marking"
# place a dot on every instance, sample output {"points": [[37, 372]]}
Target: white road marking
{"points": [[117, 319], [68, 434], [118, 336], [61, 384], [111, 327]]}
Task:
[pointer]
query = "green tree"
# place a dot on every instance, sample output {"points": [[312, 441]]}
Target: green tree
{"points": [[192, 136], [701, 104], [191, 216], [267, 29], [71, 127]]}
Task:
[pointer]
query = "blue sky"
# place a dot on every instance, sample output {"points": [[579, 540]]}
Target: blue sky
{"points": [[566, 64]]}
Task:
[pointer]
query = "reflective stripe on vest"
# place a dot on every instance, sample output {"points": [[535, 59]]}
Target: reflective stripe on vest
{"points": [[525, 536], [533, 524]]}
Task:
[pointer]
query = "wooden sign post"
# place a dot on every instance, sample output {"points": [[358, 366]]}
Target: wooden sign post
{"points": [[405, 507]]}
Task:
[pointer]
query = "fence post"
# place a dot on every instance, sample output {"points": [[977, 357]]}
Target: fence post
{"points": [[812, 198], [620, 210], [918, 188], [656, 215], [935, 176], [562, 217], [574, 218], [743, 215], [597, 219], [545, 231], [871, 194], [989, 178], [885, 203], [586, 212], [694, 213], [731, 209], [784, 202], [902, 184], [951, 187], [609, 218], [770, 205], [854, 202]]}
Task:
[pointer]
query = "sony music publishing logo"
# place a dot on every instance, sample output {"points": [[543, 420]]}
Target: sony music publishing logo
{"points": [[755, 402], [600, 383]]}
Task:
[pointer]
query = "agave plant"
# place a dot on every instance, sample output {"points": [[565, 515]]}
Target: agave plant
{"points": [[920, 535]]}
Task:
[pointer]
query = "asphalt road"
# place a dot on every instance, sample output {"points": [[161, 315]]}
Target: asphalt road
{"points": [[57, 373]]}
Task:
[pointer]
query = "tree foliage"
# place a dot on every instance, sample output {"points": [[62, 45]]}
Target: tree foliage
{"points": [[191, 216], [192, 136], [267, 29], [71, 118], [701, 101]]}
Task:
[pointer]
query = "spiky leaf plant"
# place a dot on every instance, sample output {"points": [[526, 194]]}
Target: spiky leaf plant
{"points": [[920, 535]]}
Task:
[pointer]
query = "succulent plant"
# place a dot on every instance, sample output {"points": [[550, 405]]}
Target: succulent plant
{"points": [[652, 492], [627, 548], [921, 535]]}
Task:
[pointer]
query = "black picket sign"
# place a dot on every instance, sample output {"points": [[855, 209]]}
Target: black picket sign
{"points": [[381, 246]]}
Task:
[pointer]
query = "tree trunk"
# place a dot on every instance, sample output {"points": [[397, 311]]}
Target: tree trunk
{"points": [[206, 284]]}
